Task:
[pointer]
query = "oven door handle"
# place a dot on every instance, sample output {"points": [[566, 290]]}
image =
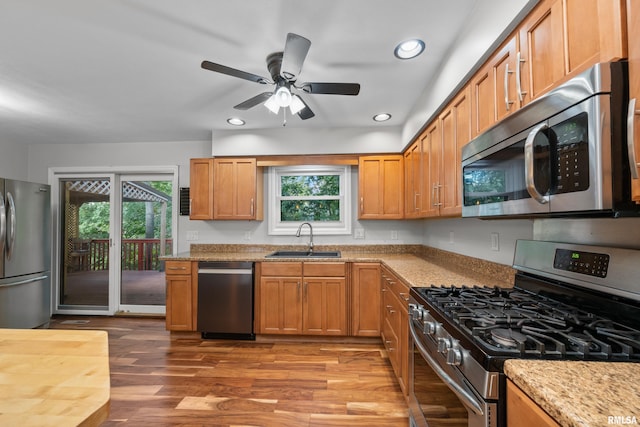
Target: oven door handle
{"points": [[468, 399]]}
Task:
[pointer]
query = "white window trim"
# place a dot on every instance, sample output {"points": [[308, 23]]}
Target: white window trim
{"points": [[277, 227]]}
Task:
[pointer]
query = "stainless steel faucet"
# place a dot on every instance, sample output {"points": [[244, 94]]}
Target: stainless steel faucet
{"points": [[310, 235]]}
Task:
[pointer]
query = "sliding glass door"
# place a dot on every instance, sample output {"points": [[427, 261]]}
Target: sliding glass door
{"points": [[112, 230]]}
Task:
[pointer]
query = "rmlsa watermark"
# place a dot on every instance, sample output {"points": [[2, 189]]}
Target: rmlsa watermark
{"points": [[622, 419]]}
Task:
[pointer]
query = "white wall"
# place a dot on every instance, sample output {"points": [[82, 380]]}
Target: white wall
{"points": [[14, 162], [240, 142]]}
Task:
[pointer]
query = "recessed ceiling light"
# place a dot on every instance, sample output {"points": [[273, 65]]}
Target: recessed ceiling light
{"points": [[409, 49], [382, 117], [235, 121]]}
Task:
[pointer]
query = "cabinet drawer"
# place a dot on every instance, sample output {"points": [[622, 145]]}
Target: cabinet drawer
{"points": [[177, 267], [286, 269], [324, 269], [395, 286]]}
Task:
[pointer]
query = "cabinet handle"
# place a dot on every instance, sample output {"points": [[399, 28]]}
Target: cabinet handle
{"points": [[177, 268], [304, 290], [252, 206], [415, 201], [361, 204], [521, 93], [404, 296], [631, 113], [435, 195], [507, 103], [390, 309], [298, 292]]}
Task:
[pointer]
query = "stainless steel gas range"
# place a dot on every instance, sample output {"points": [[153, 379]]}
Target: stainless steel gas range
{"points": [[569, 302]]}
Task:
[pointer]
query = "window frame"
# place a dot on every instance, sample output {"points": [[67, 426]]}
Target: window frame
{"points": [[278, 227]]}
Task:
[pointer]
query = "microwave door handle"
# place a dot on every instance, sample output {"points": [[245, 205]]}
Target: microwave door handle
{"points": [[467, 399], [529, 167], [633, 163]]}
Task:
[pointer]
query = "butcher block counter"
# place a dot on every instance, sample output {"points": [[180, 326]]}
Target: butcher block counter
{"points": [[580, 394], [53, 377]]}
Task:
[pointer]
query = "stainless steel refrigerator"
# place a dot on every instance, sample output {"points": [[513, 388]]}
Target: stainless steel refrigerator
{"points": [[25, 254]]}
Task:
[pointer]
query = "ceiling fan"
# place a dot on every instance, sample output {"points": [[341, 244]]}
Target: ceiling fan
{"points": [[284, 68]]}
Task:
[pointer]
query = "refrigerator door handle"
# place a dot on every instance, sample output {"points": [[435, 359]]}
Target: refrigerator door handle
{"points": [[3, 225], [10, 225], [23, 282]]}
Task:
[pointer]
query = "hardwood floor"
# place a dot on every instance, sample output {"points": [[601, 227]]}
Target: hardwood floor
{"points": [[160, 379]]}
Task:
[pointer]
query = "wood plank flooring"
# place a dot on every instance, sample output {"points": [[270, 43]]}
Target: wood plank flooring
{"points": [[163, 379]]}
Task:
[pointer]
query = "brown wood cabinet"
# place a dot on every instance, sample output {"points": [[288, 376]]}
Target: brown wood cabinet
{"points": [[380, 187], [524, 412], [237, 187], [302, 298], [365, 299], [201, 188], [182, 292], [395, 324], [633, 29], [413, 180]]}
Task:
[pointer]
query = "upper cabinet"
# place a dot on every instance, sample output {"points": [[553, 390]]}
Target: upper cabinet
{"points": [[201, 188], [380, 187], [237, 188], [633, 112], [224, 188]]}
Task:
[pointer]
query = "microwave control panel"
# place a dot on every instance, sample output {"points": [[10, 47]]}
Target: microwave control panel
{"points": [[572, 139]]}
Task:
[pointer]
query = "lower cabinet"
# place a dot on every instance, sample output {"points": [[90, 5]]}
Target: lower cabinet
{"points": [[395, 326], [365, 299], [524, 412], [181, 294], [302, 298]]}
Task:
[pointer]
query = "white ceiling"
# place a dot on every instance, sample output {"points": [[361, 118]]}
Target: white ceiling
{"points": [[78, 71]]}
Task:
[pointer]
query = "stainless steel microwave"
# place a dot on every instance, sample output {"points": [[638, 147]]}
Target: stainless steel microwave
{"points": [[564, 154]]}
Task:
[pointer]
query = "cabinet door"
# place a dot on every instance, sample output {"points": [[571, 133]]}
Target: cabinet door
{"points": [[201, 188], [380, 186], [179, 303], [524, 412], [541, 49], [235, 189], [324, 307], [504, 65], [483, 96], [413, 179], [633, 28], [431, 164], [365, 299], [593, 33], [455, 125], [280, 305]]}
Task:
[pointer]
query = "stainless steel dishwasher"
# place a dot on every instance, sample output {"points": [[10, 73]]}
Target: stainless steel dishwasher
{"points": [[225, 299]]}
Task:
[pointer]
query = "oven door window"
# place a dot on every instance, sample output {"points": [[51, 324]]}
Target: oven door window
{"points": [[438, 404]]}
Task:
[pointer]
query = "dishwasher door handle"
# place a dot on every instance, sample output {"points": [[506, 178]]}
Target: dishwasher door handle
{"points": [[224, 271]]}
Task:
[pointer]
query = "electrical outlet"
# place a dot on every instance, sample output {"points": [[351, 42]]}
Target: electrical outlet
{"points": [[394, 235], [192, 235], [495, 242], [358, 233], [247, 235]]}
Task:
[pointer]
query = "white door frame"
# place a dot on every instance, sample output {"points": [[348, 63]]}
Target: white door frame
{"points": [[114, 174]]}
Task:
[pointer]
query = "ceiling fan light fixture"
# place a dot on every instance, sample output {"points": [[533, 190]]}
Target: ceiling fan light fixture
{"points": [[409, 49], [382, 117], [272, 105], [296, 104], [283, 96], [235, 121]]}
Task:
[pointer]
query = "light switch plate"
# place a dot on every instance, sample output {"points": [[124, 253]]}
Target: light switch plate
{"points": [[192, 235], [358, 233]]}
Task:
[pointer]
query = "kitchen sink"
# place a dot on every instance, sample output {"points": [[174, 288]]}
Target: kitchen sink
{"points": [[304, 254]]}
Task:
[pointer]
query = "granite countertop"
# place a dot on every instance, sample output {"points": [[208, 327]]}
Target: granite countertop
{"points": [[581, 394], [416, 265]]}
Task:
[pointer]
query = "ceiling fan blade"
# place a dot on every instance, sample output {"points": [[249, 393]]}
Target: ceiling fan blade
{"points": [[332, 88], [306, 112], [211, 66], [252, 102], [295, 51]]}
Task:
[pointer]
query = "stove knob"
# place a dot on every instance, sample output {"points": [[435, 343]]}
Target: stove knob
{"points": [[429, 327], [454, 357], [415, 311], [444, 344]]}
